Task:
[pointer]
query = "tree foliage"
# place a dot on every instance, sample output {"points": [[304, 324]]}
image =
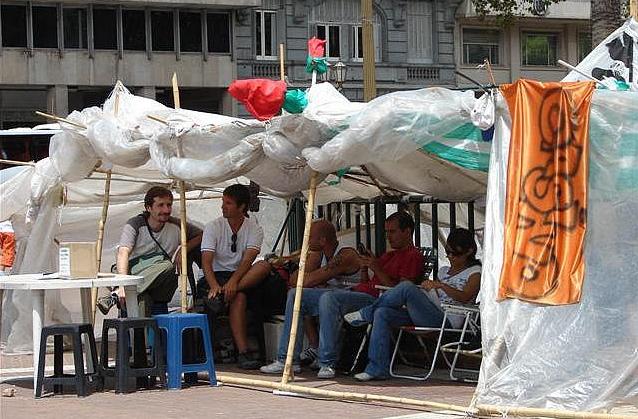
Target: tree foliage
{"points": [[507, 10]]}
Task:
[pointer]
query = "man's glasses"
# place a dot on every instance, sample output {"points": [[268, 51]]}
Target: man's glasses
{"points": [[233, 246]]}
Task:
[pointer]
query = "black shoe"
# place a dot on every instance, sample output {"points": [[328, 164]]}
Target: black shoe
{"points": [[246, 363], [107, 302]]}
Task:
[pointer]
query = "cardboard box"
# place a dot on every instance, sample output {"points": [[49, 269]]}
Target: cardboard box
{"points": [[273, 328], [78, 260]]}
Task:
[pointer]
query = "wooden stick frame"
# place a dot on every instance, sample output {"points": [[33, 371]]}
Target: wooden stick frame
{"points": [[481, 410], [105, 210], [300, 280], [183, 273]]}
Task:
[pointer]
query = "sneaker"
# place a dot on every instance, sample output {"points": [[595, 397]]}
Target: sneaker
{"points": [[277, 367], [104, 304], [363, 376], [308, 356], [326, 372], [315, 365], [355, 319], [246, 363]]}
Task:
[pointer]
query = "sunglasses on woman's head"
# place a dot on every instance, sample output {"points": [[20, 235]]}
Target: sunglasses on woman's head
{"points": [[233, 246]]}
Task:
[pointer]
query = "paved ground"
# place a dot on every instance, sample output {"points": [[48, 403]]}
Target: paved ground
{"points": [[229, 400], [225, 401]]}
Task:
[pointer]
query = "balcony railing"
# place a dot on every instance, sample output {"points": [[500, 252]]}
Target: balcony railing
{"points": [[423, 73], [266, 70]]}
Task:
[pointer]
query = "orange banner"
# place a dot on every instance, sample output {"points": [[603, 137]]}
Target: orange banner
{"points": [[546, 206]]}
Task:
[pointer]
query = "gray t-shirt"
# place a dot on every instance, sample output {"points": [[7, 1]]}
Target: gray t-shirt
{"points": [[218, 239], [136, 236]]}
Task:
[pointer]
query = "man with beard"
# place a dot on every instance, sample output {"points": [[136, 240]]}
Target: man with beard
{"points": [[150, 247]]}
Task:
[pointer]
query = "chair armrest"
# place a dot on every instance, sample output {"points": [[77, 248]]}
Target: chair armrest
{"points": [[461, 308]]}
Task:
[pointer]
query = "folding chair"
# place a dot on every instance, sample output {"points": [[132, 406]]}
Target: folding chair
{"points": [[470, 327], [429, 257]]}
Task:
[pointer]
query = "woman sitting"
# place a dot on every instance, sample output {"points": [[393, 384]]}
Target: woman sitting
{"points": [[410, 304]]}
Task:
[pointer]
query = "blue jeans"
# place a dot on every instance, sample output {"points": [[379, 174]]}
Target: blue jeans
{"points": [[332, 307], [309, 307], [387, 313]]}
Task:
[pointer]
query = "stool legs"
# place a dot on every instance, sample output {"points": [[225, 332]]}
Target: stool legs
{"points": [[80, 378], [208, 347], [174, 351], [122, 361], [58, 360], [41, 357]]}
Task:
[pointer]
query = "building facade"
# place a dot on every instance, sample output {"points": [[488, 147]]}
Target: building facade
{"points": [[529, 48], [60, 56], [414, 41]]}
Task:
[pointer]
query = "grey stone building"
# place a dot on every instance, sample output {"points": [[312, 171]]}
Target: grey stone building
{"points": [[65, 55], [414, 41]]}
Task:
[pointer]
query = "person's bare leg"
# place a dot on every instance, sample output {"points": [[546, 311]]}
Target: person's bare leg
{"points": [[257, 273], [238, 325]]}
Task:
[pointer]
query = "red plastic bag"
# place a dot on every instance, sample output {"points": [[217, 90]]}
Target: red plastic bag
{"points": [[263, 98], [316, 47]]}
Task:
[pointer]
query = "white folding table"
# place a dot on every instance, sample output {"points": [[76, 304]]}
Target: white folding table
{"points": [[38, 283]]}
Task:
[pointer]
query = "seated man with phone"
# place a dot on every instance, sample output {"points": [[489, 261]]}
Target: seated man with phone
{"points": [[403, 263]]}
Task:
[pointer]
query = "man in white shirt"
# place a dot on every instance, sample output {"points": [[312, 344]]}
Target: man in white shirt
{"points": [[229, 247], [150, 246]]}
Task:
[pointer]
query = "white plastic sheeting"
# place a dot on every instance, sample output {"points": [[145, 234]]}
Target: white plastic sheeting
{"points": [[392, 126], [582, 356], [613, 59], [77, 220]]}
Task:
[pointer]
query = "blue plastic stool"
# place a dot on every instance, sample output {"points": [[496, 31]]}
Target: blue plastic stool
{"points": [[174, 325]]}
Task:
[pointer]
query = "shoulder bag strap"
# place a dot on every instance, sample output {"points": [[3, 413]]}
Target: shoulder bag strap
{"points": [[150, 232]]}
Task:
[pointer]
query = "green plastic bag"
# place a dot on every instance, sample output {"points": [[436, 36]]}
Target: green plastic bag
{"points": [[318, 64], [295, 101]]}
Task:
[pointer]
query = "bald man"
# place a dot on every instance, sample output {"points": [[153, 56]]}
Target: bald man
{"points": [[329, 266]]}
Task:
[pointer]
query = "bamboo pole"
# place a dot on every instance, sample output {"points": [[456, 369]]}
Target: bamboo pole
{"points": [[281, 62], [486, 409], [17, 163], [59, 119], [300, 280], [183, 275], [488, 66], [342, 396], [482, 410], [105, 210], [369, 76], [157, 119]]}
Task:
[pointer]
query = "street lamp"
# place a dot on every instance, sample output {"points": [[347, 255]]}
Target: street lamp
{"points": [[339, 72]]}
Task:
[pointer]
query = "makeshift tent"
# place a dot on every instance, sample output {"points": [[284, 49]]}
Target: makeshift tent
{"points": [[567, 357]]}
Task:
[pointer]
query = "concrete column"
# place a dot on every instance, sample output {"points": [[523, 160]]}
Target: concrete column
{"points": [[58, 100], [228, 104], [570, 42], [515, 53], [147, 91]]}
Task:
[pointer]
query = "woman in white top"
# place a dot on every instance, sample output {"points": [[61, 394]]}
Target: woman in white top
{"points": [[408, 304]]}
